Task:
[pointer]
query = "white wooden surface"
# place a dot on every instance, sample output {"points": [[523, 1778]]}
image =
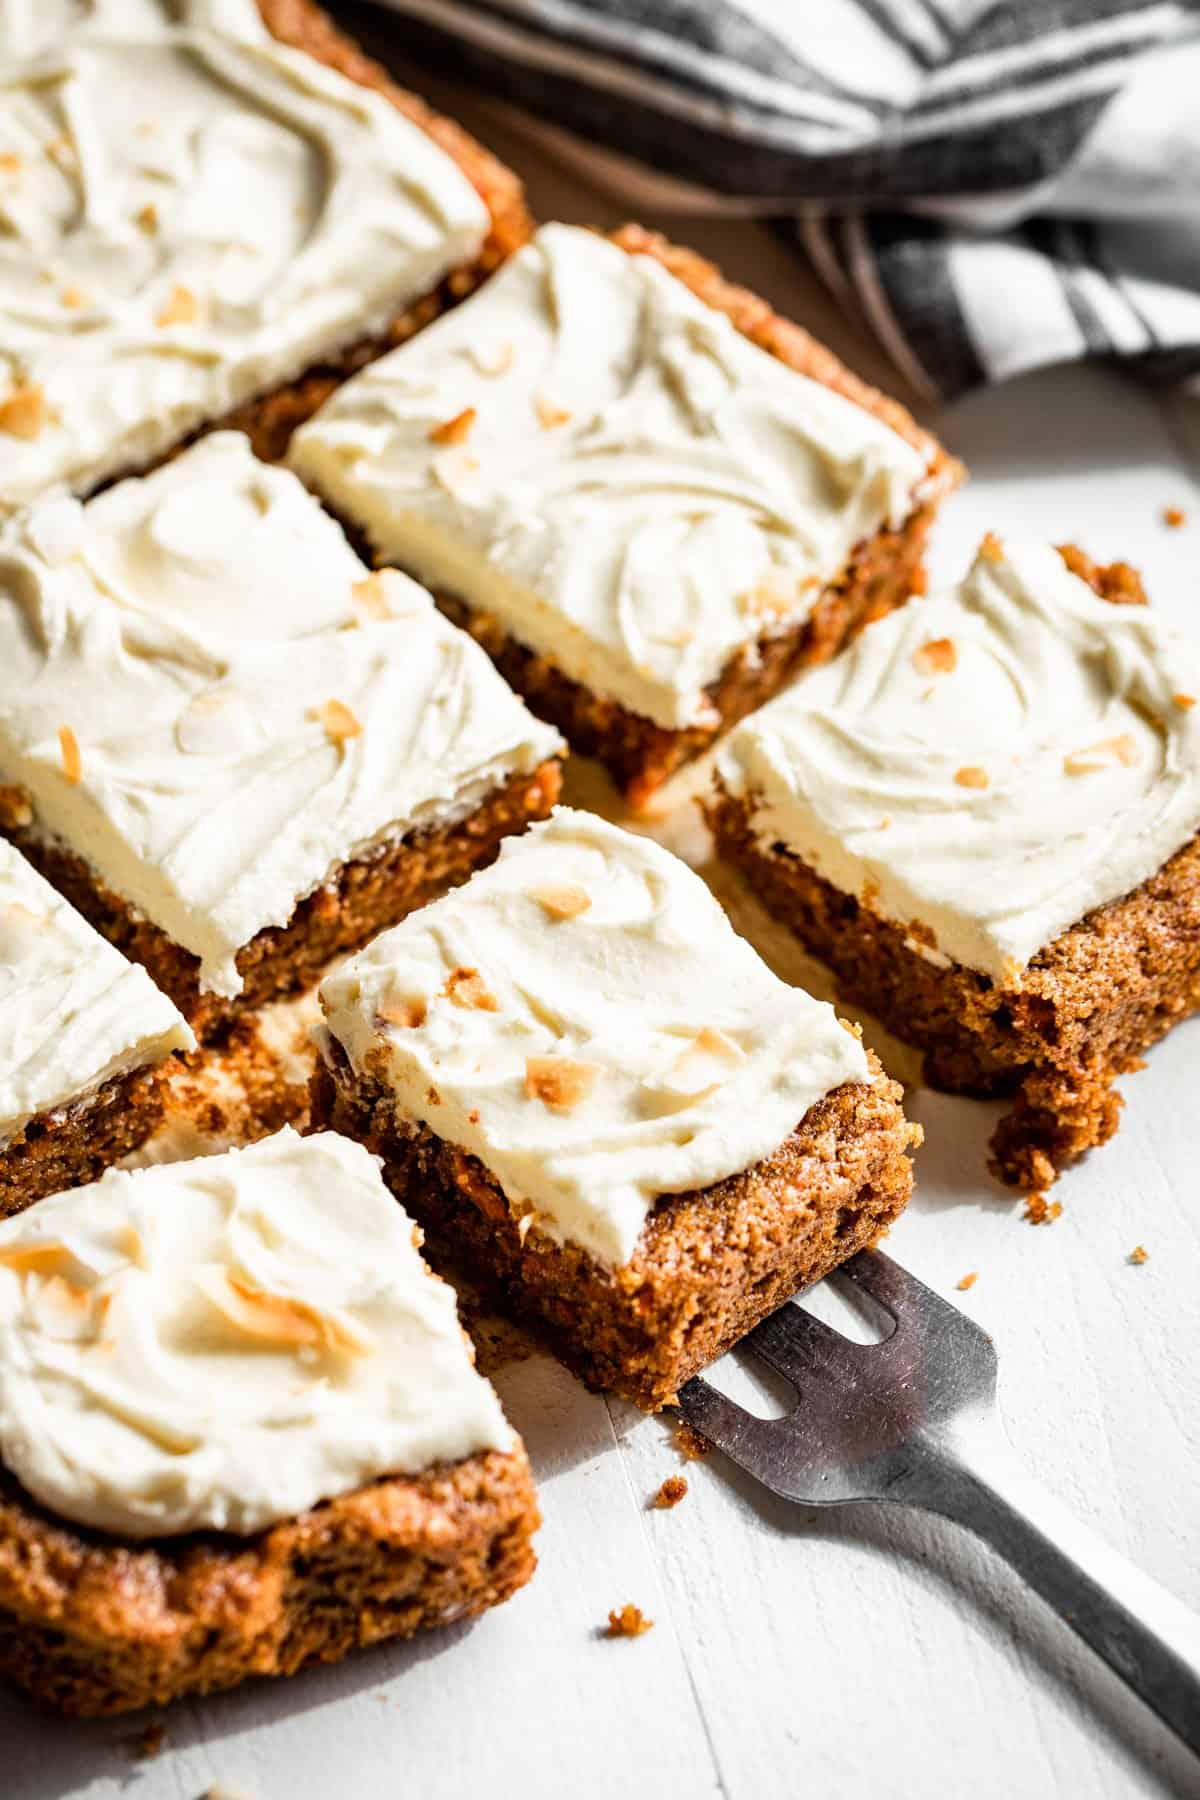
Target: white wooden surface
{"points": [[841, 1653]]}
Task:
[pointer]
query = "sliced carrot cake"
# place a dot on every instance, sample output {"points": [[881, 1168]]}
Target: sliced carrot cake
{"points": [[241, 1430], [648, 496], [208, 208], [583, 1083], [236, 750], [984, 818], [86, 1041]]}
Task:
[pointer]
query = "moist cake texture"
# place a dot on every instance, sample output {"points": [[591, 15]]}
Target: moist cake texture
{"points": [[233, 201], [84, 1041], [234, 738], [624, 489], [580, 1076], [985, 819], [250, 1348]]}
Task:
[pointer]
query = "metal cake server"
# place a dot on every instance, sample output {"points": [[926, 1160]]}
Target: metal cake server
{"points": [[913, 1420]]}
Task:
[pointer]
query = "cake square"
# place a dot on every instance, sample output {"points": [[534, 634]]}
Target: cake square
{"points": [[585, 1085], [212, 213], [648, 496], [241, 1431], [984, 819], [238, 751], [86, 1041]]}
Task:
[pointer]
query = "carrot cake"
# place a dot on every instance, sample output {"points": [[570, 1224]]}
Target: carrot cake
{"points": [[649, 497], [241, 1430], [984, 818], [237, 751], [590, 1090], [86, 1041], [209, 209]]}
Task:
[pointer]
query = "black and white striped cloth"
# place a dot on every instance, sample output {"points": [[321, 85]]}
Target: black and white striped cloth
{"points": [[996, 184]]}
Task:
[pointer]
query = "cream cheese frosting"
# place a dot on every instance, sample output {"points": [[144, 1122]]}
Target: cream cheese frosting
{"points": [[224, 1343], [73, 1012], [992, 763], [247, 708], [583, 1018], [191, 213], [591, 454]]}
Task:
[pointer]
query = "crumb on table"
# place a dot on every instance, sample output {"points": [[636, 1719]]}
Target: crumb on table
{"points": [[1174, 516], [1138, 1255], [1040, 1211], [627, 1622], [690, 1443], [968, 1281], [670, 1493], [149, 1741]]}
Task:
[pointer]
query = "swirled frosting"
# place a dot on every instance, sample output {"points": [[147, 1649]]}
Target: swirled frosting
{"points": [[73, 1012], [247, 709], [630, 485], [224, 1343], [583, 1018], [190, 214], [991, 763]]}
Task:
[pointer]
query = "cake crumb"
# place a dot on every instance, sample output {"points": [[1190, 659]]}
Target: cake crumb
{"points": [[369, 596], [558, 1081], [627, 1622], [467, 988], [565, 902], [690, 1443], [1040, 1211], [936, 657], [147, 216], [550, 415], [23, 412], [72, 762], [339, 722], [1138, 1255], [182, 307], [16, 808], [456, 430], [670, 1493], [1174, 516], [408, 1014], [972, 777], [220, 1790], [149, 1741], [967, 1281]]}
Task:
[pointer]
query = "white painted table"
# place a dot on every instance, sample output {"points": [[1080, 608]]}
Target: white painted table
{"points": [[836, 1654]]}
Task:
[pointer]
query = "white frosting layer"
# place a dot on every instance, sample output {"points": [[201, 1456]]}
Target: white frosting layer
{"points": [[190, 214], [192, 630], [73, 1012], [602, 963], [224, 1343], [1053, 767], [642, 490]]}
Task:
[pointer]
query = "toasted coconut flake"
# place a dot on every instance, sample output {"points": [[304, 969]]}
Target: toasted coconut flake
{"points": [[23, 412], [369, 597], [565, 901], [408, 1014], [10, 163], [147, 216], [277, 1319], [559, 1082], [48, 1258], [937, 656], [627, 1622], [549, 414], [1095, 757], [72, 762], [339, 722], [967, 1281], [467, 988], [130, 1239], [991, 549], [456, 430], [972, 777], [1184, 701], [74, 298], [182, 307]]}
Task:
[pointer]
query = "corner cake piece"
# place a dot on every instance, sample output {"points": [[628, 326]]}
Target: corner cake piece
{"points": [[651, 499], [984, 818], [585, 1084], [239, 752], [241, 1430], [208, 210], [86, 1041]]}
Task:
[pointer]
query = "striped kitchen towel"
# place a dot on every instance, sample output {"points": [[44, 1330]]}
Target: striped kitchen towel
{"points": [[996, 184]]}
